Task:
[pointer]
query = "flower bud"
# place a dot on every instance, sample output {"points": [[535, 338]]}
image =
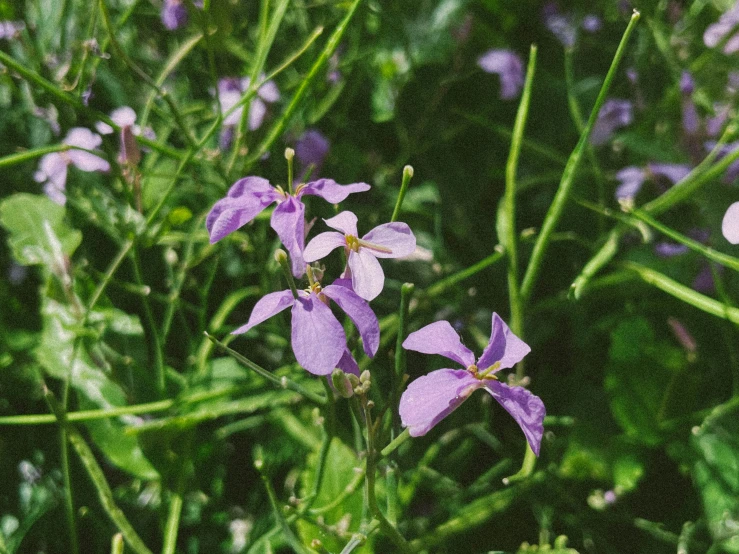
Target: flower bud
{"points": [[341, 383], [280, 256], [289, 154], [365, 378]]}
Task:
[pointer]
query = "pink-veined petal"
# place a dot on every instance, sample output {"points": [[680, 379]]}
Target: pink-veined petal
{"points": [[257, 111], [525, 407], [346, 222], [504, 347], [730, 224], [396, 236], [440, 338], [318, 338], [431, 398], [322, 245], [367, 275], [267, 306], [331, 191], [288, 221], [360, 313]]}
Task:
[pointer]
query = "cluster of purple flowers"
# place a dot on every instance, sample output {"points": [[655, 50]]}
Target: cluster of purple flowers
{"points": [[318, 338]]}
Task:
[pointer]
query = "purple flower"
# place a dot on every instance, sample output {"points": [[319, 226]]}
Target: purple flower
{"points": [[632, 178], [591, 23], [247, 197], [390, 240], [52, 170], [508, 66], [614, 114], [716, 123], [311, 149], [317, 337], [730, 224], [560, 25], [231, 90], [125, 118], [174, 14], [431, 398], [11, 29], [718, 31]]}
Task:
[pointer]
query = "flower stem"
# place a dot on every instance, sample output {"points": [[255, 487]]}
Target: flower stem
{"points": [[407, 175], [281, 258], [570, 171], [283, 383]]}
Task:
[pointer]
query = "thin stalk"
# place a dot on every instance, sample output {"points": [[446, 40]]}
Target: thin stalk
{"points": [[452, 280], [112, 268], [267, 36], [156, 345], [407, 175], [509, 204], [117, 544], [577, 118], [105, 494], [570, 171], [406, 292], [701, 175], [26, 155], [174, 513], [396, 442], [277, 129], [387, 528], [283, 383]]}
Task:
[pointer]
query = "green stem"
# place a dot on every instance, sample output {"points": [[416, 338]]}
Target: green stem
{"points": [[396, 442], [283, 383], [105, 494], [452, 280], [568, 176], [406, 292], [508, 225], [407, 175], [26, 155], [277, 129]]}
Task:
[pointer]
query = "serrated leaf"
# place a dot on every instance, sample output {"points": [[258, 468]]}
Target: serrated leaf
{"points": [[716, 473], [38, 233]]}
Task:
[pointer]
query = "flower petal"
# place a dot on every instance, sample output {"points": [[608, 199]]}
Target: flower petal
{"points": [[396, 236], [322, 245], [631, 178], [123, 116], [331, 191], [246, 198], [440, 338], [288, 221], [359, 312], [504, 347], [346, 222], [431, 398], [525, 407], [367, 275], [348, 364], [318, 338], [257, 111], [84, 138], [673, 172], [269, 91], [267, 306], [87, 162], [730, 224]]}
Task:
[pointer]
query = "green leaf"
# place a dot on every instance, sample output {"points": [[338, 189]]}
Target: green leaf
{"points": [[716, 473], [639, 378], [38, 234], [341, 464], [59, 357]]}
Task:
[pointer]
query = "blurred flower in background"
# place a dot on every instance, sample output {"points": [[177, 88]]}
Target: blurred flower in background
{"points": [[508, 66]]}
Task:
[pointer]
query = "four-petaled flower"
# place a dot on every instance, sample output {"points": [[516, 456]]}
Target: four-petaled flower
{"points": [[390, 240], [250, 195], [52, 170], [317, 337], [431, 398]]}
